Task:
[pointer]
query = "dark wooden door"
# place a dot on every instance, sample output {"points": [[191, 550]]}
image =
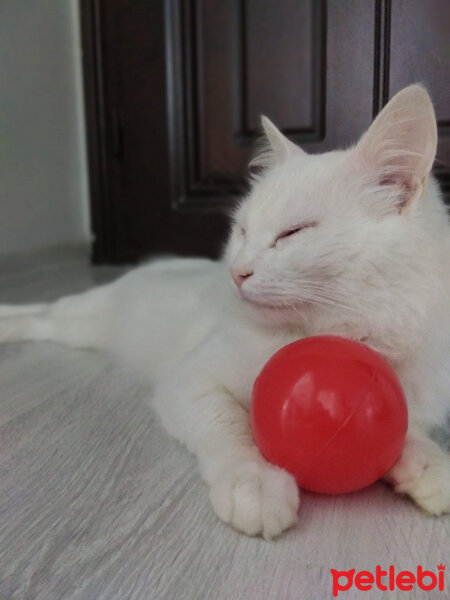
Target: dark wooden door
{"points": [[175, 89]]}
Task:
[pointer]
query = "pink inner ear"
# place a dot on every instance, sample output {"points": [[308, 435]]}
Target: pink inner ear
{"points": [[391, 180], [401, 183]]}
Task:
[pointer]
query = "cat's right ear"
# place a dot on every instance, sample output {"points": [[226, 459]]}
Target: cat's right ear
{"points": [[400, 145], [275, 148]]}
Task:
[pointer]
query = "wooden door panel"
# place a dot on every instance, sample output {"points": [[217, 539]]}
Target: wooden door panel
{"points": [[244, 59], [286, 60], [279, 47], [175, 89], [420, 51]]}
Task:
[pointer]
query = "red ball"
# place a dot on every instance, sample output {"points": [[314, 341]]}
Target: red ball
{"points": [[331, 412]]}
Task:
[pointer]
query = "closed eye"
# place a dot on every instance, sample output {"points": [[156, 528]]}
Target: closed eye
{"points": [[293, 230]]}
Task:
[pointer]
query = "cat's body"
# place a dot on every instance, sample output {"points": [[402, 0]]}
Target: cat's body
{"points": [[353, 243]]}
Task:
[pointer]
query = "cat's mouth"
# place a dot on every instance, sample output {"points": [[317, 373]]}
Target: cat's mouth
{"points": [[258, 303], [263, 304], [271, 310]]}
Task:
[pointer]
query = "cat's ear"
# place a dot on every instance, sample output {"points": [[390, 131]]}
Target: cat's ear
{"points": [[400, 145], [275, 148]]}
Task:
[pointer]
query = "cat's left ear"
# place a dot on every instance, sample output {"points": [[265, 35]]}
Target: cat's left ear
{"points": [[400, 145], [276, 148]]}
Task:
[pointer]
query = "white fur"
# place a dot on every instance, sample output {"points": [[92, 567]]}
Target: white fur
{"points": [[370, 263]]}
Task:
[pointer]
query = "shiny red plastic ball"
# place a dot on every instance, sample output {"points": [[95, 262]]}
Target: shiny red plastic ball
{"points": [[331, 412]]}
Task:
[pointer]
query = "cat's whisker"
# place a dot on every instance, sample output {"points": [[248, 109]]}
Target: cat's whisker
{"points": [[309, 291], [313, 298]]}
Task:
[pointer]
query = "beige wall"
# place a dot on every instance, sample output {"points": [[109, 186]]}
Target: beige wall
{"points": [[43, 181]]}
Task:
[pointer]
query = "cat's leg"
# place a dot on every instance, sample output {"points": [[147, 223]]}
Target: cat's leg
{"points": [[77, 321], [246, 492], [423, 473]]}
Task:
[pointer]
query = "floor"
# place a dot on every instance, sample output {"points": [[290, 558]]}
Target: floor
{"points": [[97, 502]]}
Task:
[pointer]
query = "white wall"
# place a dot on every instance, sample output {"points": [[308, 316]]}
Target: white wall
{"points": [[43, 180]]}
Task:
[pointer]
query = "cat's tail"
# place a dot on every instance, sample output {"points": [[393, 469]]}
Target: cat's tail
{"points": [[79, 321]]}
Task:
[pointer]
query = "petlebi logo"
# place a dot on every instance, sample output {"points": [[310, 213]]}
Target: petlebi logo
{"points": [[389, 579]]}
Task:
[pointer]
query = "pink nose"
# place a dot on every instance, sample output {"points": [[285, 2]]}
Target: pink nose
{"points": [[240, 275]]}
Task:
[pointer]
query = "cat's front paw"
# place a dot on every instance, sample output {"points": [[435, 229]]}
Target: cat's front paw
{"points": [[425, 477], [256, 498]]}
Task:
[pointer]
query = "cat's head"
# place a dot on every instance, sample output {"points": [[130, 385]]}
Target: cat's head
{"points": [[319, 230]]}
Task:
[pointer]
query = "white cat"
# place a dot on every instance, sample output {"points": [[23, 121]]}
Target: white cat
{"points": [[354, 243]]}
